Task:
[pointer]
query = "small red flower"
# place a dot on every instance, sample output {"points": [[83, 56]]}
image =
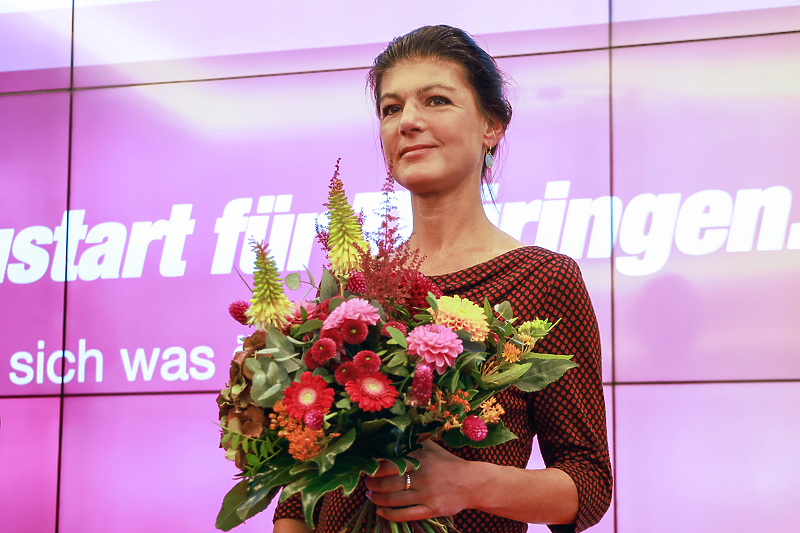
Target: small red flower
{"points": [[354, 331], [323, 351], [238, 311], [334, 334], [368, 361], [419, 286], [310, 362], [474, 428], [347, 372], [396, 325], [314, 419], [373, 392], [312, 393], [356, 283], [421, 385]]}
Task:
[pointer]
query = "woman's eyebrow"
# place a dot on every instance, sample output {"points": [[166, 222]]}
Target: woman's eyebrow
{"points": [[420, 91]]}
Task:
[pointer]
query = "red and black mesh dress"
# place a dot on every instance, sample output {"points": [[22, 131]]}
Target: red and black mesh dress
{"points": [[568, 416]]}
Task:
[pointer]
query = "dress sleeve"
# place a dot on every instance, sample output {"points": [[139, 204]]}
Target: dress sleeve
{"points": [[570, 414], [291, 508]]}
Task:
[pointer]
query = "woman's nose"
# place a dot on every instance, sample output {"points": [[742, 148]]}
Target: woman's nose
{"points": [[411, 119]]}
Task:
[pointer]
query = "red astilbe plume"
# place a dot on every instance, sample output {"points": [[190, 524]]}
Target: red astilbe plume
{"points": [[383, 272]]}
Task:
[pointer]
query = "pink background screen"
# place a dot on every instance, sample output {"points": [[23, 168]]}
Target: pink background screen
{"points": [[656, 143]]}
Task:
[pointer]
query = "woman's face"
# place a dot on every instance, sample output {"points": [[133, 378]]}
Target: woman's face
{"points": [[434, 136]]}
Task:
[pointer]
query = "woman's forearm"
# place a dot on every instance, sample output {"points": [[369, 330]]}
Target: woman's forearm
{"points": [[546, 496]]}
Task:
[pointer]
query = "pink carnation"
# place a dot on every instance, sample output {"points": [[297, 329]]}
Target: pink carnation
{"points": [[355, 309], [474, 428], [436, 344]]}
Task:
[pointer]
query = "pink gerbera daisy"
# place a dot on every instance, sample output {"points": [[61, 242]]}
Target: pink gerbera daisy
{"points": [[312, 393], [436, 344], [373, 392]]}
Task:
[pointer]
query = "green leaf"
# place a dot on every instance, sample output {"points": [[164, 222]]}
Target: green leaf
{"points": [[326, 460], [498, 434], [543, 372], [292, 281], [432, 302], [310, 277], [381, 313], [402, 465], [507, 377], [487, 311], [396, 371], [399, 358], [397, 337], [328, 287], [504, 309], [310, 325], [344, 403], [534, 355], [265, 486], [227, 518]]}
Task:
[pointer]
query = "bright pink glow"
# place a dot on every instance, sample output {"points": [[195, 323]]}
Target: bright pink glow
{"points": [[717, 457], [713, 311], [29, 463], [145, 463]]}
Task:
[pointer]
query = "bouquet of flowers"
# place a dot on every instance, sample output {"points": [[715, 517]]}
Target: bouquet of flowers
{"points": [[378, 362]]}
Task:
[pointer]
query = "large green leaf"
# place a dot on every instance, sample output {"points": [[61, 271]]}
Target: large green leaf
{"points": [[506, 377], [309, 325], [346, 474], [397, 337], [542, 373], [326, 459], [227, 518]]}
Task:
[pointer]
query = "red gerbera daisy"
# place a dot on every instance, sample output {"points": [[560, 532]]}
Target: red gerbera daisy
{"points": [[311, 393], [373, 392], [368, 361], [354, 331], [347, 372], [323, 350]]}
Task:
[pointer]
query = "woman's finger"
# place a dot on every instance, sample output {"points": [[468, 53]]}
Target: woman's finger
{"points": [[405, 514]]}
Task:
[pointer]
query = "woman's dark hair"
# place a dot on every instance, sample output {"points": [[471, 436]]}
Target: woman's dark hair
{"points": [[449, 44]]}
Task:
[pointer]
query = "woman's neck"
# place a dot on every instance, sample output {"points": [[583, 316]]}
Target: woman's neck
{"points": [[452, 232]]}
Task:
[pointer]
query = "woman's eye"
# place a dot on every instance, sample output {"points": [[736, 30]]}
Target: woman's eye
{"points": [[390, 110], [439, 100]]}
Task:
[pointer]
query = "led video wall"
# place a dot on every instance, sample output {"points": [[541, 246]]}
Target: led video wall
{"points": [[144, 142]]}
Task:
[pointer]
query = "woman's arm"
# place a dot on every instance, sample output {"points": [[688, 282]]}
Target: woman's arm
{"points": [[288, 525], [446, 484]]}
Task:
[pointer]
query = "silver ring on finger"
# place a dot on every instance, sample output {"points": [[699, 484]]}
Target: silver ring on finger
{"points": [[408, 482]]}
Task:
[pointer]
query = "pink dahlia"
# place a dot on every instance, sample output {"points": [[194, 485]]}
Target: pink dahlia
{"points": [[354, 331], [323, 351], [474, 428], [355, 309], [367, 360], [436, 344], [421, 385], [312, 393], [373, 392], [238, 311]]}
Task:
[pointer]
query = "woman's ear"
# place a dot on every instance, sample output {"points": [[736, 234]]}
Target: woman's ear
{"points": [[494, 132]]}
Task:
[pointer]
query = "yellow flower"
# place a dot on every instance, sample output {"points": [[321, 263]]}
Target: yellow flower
{"points": [[345, 239], [459, 313], [536, 328], [269, 304], [510, 353]]}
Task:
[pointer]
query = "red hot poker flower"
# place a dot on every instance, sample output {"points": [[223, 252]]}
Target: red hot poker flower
{"points": [[312, 393], [373, 392]]}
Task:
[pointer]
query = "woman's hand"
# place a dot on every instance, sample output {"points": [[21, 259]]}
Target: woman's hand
{"points": [[442, 486]]}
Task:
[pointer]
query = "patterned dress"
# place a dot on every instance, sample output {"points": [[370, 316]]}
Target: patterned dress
{"points": [[568, 416]]}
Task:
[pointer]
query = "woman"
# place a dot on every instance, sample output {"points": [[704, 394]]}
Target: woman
{"points": [[442, 112]]}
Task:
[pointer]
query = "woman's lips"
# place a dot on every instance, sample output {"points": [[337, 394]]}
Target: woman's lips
{"points": [[415, 150]]}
